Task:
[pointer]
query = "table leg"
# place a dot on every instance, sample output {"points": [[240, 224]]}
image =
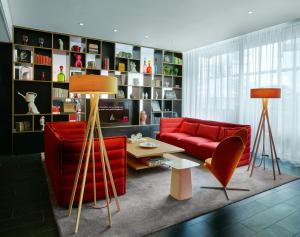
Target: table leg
{"points": [[181, 184]]}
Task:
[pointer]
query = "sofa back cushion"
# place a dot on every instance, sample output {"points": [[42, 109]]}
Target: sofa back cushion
{"points": [[227, 132], [208, 131], [189, 128]]}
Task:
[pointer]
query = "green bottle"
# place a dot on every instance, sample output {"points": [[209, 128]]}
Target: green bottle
{"points": [[61, 75]]}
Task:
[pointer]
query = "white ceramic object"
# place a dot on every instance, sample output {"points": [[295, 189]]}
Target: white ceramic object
{"points": [[148, 145], [30, 97]]}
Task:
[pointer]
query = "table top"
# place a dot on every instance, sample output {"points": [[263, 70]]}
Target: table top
{"points": [[139, 152], [180, 163]]}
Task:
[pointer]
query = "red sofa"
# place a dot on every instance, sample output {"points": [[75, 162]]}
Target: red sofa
{"points": [[63, 142], [199, 137]]}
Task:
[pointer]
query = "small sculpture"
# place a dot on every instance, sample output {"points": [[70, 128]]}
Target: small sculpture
{"points": [[156, 95], [146, 96], [61, 44], [112, 117], [25, 39], [42, 122], [30, 97], [78, 62], [143, 117], [41, 41], [132, 67]]}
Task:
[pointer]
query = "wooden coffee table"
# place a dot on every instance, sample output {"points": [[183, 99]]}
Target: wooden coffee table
{"points": [[137, 156]]}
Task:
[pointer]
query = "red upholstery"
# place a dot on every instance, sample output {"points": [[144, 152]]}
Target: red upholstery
{"points": [[208, 131], [208, 136], [189, 128], [174, 138], [63, 142]]}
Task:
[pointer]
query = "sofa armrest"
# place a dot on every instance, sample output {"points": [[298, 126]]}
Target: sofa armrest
{"points": [[168, 125]]}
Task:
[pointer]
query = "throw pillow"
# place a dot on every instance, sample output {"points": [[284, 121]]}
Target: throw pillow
{"points": [[208, 131], [227, 132], [189, 128]]}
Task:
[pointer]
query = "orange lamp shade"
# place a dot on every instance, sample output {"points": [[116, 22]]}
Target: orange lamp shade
{"points": [[265, 93], [93, 84]]}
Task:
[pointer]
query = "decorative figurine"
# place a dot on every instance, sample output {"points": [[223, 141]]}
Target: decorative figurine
{"points": [[143, 95], [175, 71], [143, 117], [43, 76], [146, 96], [61, 75], [78, 62], [30, 97], [25, 39], [112, 117], [156, 95], [132, 67], [42, 122], [61, 44], [106, 63], [41, 41], [149, 68]]}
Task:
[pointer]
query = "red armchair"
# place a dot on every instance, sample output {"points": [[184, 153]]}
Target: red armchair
{"points": [[63, 143], [200, 137]]}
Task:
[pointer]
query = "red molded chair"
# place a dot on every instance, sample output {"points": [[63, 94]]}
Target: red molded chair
{"points": [[224, 161], [243, 134]]}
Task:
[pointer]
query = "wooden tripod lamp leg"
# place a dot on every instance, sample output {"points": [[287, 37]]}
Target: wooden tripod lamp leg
{"points": [[107, 164], [257, 144], [80, 161], [101, 147], [93, 118], [94, 171], [255, 140]]}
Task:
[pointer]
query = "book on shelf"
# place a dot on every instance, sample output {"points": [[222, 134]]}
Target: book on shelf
{"points": [[156, 161], [60, 93]]}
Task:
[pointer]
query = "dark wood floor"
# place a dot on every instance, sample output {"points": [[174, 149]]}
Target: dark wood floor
{"points": [[25, 207]]}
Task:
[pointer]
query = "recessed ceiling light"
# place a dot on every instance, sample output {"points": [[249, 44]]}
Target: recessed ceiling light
{"points": [[250, 12], [115, 30], [81, 24], [146, 36]]}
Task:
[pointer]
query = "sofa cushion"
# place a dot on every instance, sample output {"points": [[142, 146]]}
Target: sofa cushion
{"points": [[208, 131], [191, 144], [227, 132], [189, 128], [206, 150], [173, 138]]}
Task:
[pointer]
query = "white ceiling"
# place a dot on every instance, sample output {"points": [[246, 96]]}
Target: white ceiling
{"points": [[170, 24]]}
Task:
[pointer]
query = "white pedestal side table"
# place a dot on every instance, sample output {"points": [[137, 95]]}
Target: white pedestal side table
{"points": [[181, 178]]}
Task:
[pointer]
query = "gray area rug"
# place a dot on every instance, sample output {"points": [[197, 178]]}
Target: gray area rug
{"points": [[147, 206]]}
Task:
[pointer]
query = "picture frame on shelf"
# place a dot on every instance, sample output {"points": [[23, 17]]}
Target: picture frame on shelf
{"points": [[170, 95], [23, 56], [155, 106], [120, 94]]}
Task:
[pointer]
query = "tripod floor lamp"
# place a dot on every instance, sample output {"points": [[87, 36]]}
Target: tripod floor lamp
{"points": [[264, 122], [94, 85]]}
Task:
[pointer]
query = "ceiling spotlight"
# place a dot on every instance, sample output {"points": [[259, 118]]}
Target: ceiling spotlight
{"points": [[81, 24], [115, 30], [250, 12], [146, 36]]}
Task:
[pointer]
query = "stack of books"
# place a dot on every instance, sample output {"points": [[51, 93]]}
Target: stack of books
{"points": [[156, 161]]}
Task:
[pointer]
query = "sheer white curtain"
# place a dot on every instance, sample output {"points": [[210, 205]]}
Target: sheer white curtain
{"points": [[218, 79]]}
